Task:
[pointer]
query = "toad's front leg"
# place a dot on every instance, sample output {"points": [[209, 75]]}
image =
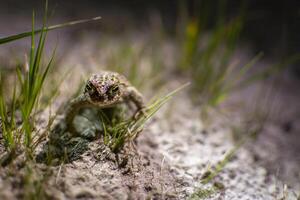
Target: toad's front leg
{"points": [[137, 98], [72, 109]]}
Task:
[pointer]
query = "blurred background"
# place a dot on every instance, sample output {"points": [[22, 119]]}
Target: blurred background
{"points": [[269, 26]]}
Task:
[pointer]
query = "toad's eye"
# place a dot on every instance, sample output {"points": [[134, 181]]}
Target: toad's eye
{"points": [[89, 88], [113, 90]]}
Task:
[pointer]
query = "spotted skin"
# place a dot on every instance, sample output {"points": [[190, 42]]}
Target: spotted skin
{"points": [[104, 90]]}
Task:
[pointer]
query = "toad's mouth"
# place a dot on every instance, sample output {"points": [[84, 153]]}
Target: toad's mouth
{"points": [[96, 97], [104, 100]]}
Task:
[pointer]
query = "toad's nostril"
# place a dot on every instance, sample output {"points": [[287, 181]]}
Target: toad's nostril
{"points": [[95, 96]]}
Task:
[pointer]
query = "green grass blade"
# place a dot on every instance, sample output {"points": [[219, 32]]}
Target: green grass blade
{"points": [[32, 42], [58, 26], [13, 107], [48, 67], [271, 70], [228, 156], [242, 72]]}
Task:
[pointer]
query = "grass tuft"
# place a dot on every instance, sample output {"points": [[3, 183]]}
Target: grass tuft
{"points": [[202, 193], [31, 81], [17, 114], [207, 57], [118, 132], [8, 122]]}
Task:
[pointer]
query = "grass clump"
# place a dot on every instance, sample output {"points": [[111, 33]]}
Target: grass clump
{"points": [[32, 81], [29, 85], [118, 132], [220, 165], [18, 113], [202, 193], [208, 57], [8, 123], [206, 45], [210, 174]]}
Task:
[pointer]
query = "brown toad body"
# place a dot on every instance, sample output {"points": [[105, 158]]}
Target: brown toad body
{"points": [[103, 90]]}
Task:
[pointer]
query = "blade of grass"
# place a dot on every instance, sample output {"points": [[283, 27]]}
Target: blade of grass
{"points": [[53, 27], [271, 70]]}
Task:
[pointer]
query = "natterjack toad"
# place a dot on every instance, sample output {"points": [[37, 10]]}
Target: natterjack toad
{"points": [[104, 90]]}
